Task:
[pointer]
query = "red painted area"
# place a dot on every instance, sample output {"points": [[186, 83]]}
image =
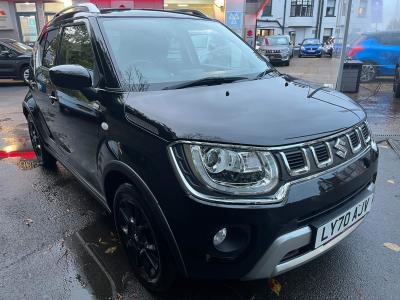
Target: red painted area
{"points": [[262, 7], [156, 4], [28, 155]]}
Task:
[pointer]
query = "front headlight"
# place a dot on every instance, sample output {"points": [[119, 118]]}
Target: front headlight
{"points": [[233, 171], [302, 48]]}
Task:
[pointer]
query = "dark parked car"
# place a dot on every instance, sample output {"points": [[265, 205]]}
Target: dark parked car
{"points": [[396, 82], [14, 60], [378, 51], [277, 48], [219, 168], [310, 47]]}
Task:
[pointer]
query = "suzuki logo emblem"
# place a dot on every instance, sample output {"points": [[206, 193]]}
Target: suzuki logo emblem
{"points": [[341, 149]]}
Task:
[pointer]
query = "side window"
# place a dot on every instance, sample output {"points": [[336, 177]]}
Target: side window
{"points": [[49, 48], [76, 48]]}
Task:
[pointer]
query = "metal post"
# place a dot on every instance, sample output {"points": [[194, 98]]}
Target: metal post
{"points": [[344, 46]]}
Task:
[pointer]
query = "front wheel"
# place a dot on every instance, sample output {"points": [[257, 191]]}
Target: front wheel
{"points": [[42, 155], [142, 241], [25, 74]]}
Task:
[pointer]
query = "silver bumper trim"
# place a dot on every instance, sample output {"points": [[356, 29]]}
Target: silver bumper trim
{"points": [[269, 265]]}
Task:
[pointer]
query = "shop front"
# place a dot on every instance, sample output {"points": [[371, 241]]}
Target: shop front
{"points": [[23, 20]]}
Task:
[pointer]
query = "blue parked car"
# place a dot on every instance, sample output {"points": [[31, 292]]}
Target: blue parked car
{"points": [[310, 47], [378, 51]]}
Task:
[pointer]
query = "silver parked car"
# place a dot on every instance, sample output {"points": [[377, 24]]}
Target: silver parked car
{"points": [[276, 47]]}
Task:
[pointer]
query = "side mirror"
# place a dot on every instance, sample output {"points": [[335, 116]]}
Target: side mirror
{"points": [[73, 77]]}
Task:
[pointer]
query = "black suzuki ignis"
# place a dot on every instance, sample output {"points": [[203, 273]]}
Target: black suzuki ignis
{"points": [[213, 164]]}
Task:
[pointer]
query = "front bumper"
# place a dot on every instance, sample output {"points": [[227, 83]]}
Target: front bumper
{"points": [[283, 227], [272, 263], [309, 53], [275, 57]]}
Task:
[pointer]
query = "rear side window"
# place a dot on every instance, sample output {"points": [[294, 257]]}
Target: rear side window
{"points": [[50, 49], [76, 48]]}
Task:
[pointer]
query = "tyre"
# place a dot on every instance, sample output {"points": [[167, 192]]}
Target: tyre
{"points": [[25, 74], [319, 56], [44, 158], [142, 240], [368, 72], [299, 55], [287, 63]]}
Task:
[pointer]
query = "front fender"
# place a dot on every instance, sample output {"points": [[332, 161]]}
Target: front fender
{"points": [[151, 203]]}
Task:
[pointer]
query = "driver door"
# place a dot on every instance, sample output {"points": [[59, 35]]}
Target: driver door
{"points": [[77, 116]]}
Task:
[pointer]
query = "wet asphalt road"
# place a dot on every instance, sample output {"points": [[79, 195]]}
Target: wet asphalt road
{"points": [[56, 242]]}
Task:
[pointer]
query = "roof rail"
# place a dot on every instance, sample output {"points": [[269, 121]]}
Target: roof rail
{"points": [[106, 10], [82, 7], [192, 12]]}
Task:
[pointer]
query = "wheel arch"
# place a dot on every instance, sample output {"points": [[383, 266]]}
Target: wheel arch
{"points": [[116, 173]]}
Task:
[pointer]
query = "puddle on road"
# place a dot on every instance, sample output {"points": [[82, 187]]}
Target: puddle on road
{"points": [[92, 264]]}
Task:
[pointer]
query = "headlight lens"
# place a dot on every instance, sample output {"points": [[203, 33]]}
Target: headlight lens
{"points": [[302, 48], [233, 171]]}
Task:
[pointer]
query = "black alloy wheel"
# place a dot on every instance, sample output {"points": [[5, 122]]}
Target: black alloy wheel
{"points": [[43, 157], [147, 253]]}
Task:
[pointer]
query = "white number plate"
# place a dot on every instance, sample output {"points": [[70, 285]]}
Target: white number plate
{"points": [[339, 224]]}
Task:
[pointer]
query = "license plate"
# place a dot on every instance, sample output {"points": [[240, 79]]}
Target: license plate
{"points": [[311, 51], [333, 228]]}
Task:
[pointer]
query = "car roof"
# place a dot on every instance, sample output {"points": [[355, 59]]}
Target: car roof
{"points": [[90, 10]]}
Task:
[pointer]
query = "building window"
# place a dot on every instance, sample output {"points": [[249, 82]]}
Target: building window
{"points": [[362, 9], [27, 22], [330, 8], [301, 8], [267, 11]]}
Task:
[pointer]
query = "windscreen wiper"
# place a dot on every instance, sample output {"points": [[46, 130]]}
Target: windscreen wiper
{"points": [[265, 72], [206, 81]]}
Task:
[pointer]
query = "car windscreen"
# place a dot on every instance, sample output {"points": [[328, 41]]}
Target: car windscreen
{"points": [[275, 41], [311, 42], [160, 53]]}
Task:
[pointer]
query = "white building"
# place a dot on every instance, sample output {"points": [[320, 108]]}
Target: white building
{"points": [[309, 18]]}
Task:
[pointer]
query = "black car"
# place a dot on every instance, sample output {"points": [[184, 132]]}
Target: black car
{"points": [[14, 60], [396, 82], [213, 164]]}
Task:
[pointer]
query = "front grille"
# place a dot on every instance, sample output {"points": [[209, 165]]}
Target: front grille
{"points": [[365, 132], [321, 152], [295, 159], [330, 152], [354, 139]]}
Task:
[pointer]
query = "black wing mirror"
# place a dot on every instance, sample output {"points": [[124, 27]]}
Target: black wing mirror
{"points": [[73, 77]]}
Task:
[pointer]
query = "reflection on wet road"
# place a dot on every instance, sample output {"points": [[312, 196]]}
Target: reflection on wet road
{"points": [[56, 242]]}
